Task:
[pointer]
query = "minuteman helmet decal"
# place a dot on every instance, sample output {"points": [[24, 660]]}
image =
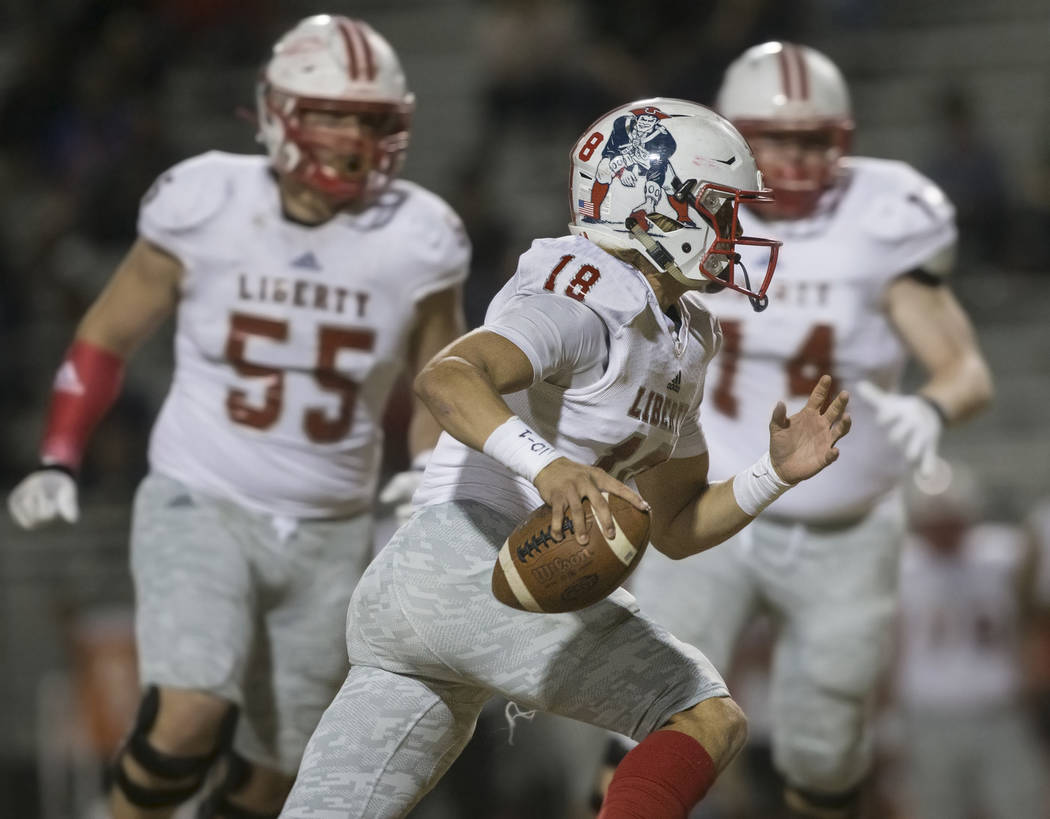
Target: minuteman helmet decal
{"points": [[667, 177]]}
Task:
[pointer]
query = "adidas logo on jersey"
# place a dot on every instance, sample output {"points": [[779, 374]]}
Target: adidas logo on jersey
{"points": [[675, 384], [67, 380], [308, 261]]}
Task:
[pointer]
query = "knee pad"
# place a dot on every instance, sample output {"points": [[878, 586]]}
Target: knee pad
{"points": [[824, 745], [218, 806], [163, 765], [804, 804]]}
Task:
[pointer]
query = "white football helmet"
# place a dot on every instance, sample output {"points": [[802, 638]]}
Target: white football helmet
{"points": [[666, 177], [334, 64], [783, 88]]}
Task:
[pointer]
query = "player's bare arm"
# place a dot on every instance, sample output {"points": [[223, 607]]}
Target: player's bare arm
{"points": [[462, 386], [690, 515], [941, 337], [140, 295], [142, 292], [440, 322]]}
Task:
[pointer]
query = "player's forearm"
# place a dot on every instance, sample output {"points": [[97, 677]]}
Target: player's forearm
{"points": [[423, 430], [963, 389], [714, 516], [462, 400]]}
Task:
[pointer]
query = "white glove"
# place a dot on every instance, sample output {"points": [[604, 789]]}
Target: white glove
{"points": [[398, 491], [42, 497], [912, 424]]}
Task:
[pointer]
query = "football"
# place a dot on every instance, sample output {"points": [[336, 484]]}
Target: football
{"points": [[533, 572]]}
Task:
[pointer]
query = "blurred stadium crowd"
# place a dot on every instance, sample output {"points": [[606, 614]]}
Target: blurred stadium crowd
{"points": [[97, 97]]}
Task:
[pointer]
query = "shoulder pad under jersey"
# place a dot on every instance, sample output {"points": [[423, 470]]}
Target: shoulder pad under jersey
{"points": [[908, 215], [187, 195], [434, 239], [575, 267]]}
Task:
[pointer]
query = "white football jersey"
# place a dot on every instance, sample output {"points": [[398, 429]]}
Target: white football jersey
{"points": [[640, 412], [960, 621], [289, 338], [826, 314]]}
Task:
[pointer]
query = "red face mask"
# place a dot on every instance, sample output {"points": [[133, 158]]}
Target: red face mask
{"points": [[799, 164]]}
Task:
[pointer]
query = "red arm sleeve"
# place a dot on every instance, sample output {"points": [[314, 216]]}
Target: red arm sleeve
{"points": [[85, 387]]}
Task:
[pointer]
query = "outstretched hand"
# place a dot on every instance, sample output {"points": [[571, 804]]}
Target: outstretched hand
{"points": [[803, 444]]}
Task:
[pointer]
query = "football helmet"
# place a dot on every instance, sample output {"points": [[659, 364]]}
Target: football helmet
{"points": [[666, 177], [794, 91], [339, 66]]}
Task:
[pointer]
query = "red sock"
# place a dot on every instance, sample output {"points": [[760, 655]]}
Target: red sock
{"points": [[661, 778]]}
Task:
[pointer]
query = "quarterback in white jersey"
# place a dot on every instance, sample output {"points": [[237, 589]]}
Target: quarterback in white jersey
{"points": [[303, 283], [859, 290], [588, 371]]}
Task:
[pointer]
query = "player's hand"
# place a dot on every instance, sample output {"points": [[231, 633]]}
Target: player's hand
{"points": [[803, 444], [912, 425], [44, 496], [398, 492], [564, 484]]}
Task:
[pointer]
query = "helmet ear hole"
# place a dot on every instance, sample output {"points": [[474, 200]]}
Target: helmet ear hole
{"points": [[687, 248]]}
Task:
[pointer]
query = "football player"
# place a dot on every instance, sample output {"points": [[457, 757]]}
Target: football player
{"points": [[861, 288], [303, 282], [969, 604], [587, 372]]}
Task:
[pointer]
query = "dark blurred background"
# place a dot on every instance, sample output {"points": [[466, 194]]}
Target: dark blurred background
{"points": [[97, 98]]}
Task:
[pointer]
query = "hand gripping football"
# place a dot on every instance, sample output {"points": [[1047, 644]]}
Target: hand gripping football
{"points": [[533, 572]]}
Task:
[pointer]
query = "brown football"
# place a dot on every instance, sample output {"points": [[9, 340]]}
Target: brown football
{"points": [[533, 572]]}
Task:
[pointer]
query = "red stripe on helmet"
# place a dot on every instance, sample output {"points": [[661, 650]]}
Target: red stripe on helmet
{"points": [[803, 74], [785, 72], [366, 48], [346, 29]]}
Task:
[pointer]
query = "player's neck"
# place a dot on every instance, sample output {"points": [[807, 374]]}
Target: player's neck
{"points": [[668, 290]]}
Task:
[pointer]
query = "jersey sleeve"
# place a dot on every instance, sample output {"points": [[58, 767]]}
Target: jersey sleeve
{"points": [[574, 268], [560, 337], [181, 200], [911, 222], [439, 247], [691, 440]]}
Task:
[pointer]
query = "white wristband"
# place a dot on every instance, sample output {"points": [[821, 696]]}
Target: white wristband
{"points": [[758, 486], [519, 448]]}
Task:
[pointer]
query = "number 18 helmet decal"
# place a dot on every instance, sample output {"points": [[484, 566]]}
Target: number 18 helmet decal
{"points": [[667, 177], [330, 63]]}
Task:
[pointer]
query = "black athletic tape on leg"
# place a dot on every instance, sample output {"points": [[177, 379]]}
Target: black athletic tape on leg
{"points": [[144, 796], [170, 766]]}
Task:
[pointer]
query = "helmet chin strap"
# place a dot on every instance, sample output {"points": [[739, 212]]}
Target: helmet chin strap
{"points": [[658, 253]]}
